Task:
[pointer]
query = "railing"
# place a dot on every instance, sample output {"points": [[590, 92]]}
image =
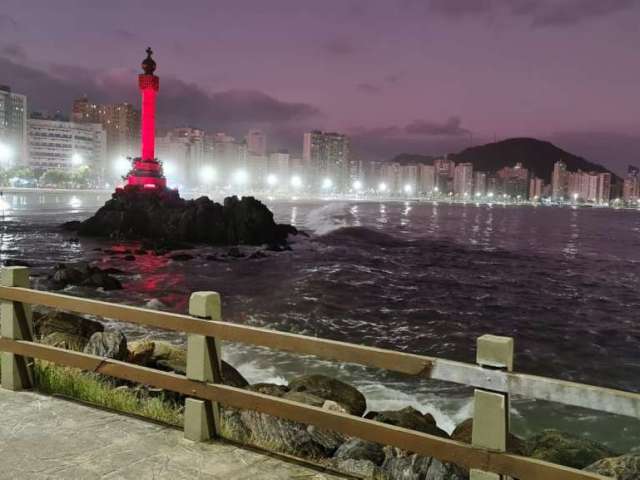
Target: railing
{"points": [[493, 378]]}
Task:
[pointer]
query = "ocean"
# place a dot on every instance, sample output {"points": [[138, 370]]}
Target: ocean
{"points": [[417, 277]]}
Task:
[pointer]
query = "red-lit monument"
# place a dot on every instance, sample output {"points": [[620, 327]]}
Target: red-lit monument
{"points": [[147, 171]]}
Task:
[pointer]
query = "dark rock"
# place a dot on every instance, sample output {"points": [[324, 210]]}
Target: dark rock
{"points": [[135, 213], [232, 377], [81, 274], [357, 449], [402, 465], [269, 389], [46, 323], [566, 449], [235, 252], [358, 468], [625, 467], [71, 226], [258, 254], [64, 340], [464, 430], [331, 389], [181, 257], [129, 258], [73, 240], [108, 345], [113, 271], [140, 251], [409, 418], [16, 262]]}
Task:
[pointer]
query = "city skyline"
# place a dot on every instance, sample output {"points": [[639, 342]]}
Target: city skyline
{"points": [[400, 90]]}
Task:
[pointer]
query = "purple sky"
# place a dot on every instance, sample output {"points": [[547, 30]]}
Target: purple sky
{"points": [[408, 75]]}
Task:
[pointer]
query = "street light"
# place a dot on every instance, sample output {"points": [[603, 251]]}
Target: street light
{"points": [[240, 177], [6, 153], [76, 159], [357, 185], [272, 180], [327, 183], [121, 166], [208, 174], [408, 189], [296, 181], [382, 187]]}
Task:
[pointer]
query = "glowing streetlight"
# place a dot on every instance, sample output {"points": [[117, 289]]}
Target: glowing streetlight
{"points": [[296, 181], [357, 185], [272, 180], [408, 189], [327, 183], [121, 166], [76, 159], [240, 177], [490, 195], [6, 153], [169, 168], [208, 174], [382, 187]]}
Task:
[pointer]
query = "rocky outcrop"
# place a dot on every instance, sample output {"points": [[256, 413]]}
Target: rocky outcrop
{"points": [[409, 418], [108, 345], [64, 330], [462, 433], [566, 449], [331, 389], [81, 274], [625, 467], [162, 216], [401, 465]]}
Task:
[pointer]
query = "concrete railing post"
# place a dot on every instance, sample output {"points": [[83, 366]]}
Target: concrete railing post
{"points": [[202, 417], [16, 323], [491, 409]]}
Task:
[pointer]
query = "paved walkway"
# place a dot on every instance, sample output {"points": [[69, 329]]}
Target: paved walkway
{"points": [[43, 437]]}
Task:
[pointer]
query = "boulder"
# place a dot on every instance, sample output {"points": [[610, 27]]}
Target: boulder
{"points": [[358, 468], [52, 321], [140, 352], [65, 340], [331, 389], [566, 449], [162, 215], [410, 418], [272, 389], [81, 274], [108, 344], [462, 433], [625, 467], [400, 465], [358, 449]]}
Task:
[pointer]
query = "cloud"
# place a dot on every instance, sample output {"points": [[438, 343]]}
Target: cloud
{"points": [[14, 51], [539, 13], [180, 103], [125, 35], [339, 47], [8, 22], [368, 88], [451, 128]]}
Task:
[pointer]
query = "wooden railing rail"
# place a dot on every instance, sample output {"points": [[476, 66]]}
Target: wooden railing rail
{"points": [[495, 382], [530, 386]]}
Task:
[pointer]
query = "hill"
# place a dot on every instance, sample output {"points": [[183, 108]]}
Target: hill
{"points": [[536, 155]]}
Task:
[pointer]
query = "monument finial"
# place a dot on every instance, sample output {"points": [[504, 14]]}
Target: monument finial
{"points": [[148, 65]]}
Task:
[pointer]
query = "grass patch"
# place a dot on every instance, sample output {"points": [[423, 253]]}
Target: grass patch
{"points": [[91, 388]]}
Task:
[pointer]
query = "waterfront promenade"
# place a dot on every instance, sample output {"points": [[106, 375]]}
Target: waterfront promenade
{"points": [[43, 437]]}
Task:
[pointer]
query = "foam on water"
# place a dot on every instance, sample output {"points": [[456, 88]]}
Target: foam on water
{"points": [[327, 218]]}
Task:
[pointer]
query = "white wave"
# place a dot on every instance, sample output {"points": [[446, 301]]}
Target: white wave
{"points": [[155, 304], [327, 218], [447, 412]]}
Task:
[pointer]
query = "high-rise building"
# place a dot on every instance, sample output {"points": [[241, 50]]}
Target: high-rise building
{"points": [[515, 181], [225, 154], [13, 128], [59, 145], [391, 178], [631, 186], [182, 151], [278, 166], [121, 121], [444, 171], [409, 179], [479, 184], [536, 188], [426, 179], [256, 143], [604, 187], [326, 155], [559, 181], [463, 181]]}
